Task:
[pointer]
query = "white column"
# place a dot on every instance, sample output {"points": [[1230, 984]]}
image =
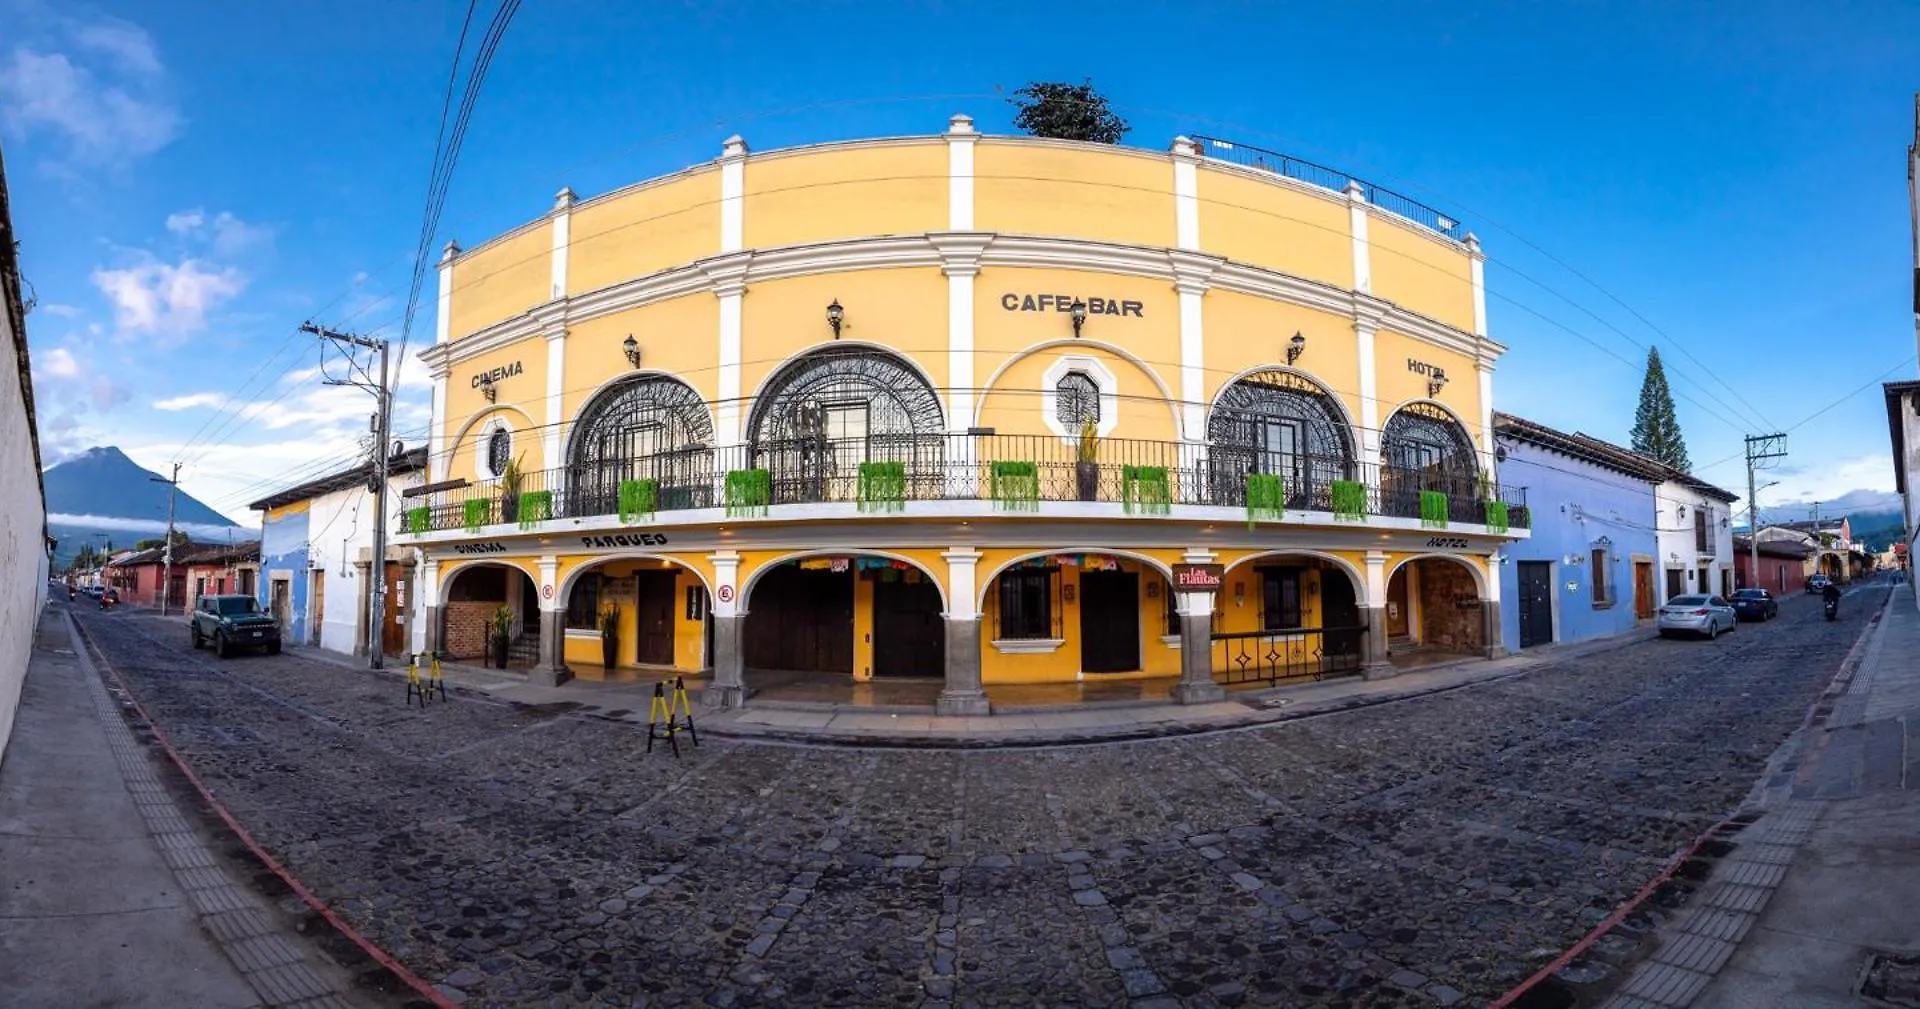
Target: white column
{"points": [[549, 565], [1192, 277], [960, 137], [1479, 285], [556, 387], [429, 579], [963, 585], [1485, 371], [562, 240], [1376, 578], [1186, 194], [426, 601], [733, 193], [1362, 252], [1365, 324], [437, 427], [726, 583], [728, 275], [443, 323]]}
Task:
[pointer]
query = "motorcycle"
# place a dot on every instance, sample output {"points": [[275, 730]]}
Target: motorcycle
{"points": [[1833, 608], [108, 600]]}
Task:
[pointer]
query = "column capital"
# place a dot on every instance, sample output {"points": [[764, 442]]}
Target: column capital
{"points": [[724, 557], [552, 318], [960, 128], [962, 555], [1184, 149], [1368, 311], [733, 148], [1198, 555], [1193, 271], [451, 250], [726, 273], [563, 200], [960, 251], [1356, 193], [1472, 242], [1376, 557]]}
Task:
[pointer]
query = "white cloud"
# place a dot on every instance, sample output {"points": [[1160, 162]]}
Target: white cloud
{"points": [[165, 301], [226, 233], [101, 123], [126, 41], [59, 363], [186, 222], [191, 401], [57, 309]]}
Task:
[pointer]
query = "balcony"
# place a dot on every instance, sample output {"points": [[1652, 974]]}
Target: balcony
{"points": [[1331, 179], [1014, 473]]}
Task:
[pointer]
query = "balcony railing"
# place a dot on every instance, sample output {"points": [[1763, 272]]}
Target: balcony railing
{"points": [[961, 468], [1328, 178]]}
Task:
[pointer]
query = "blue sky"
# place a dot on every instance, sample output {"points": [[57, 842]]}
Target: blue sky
{"points": [[191, 182]]}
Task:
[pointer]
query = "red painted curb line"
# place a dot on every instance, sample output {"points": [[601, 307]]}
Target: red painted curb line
{"points": [[380, 956], [1848, 666]]}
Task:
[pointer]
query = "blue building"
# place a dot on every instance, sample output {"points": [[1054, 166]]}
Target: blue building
{"points": [[1588, 569], [284, 567]]}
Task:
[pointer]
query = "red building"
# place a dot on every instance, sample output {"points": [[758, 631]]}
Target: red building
{"points": [[210, 569], [1783, 565]]}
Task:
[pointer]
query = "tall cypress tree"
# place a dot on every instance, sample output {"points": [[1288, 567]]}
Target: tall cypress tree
{"points": [[1656, 428]]}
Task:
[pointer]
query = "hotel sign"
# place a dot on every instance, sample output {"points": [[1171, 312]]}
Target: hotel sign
{"points": [[1199, 577], [1063, 303]]}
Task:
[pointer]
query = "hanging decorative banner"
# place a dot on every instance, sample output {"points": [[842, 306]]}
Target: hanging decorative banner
{"points": [[815, 564], [837, 564]]}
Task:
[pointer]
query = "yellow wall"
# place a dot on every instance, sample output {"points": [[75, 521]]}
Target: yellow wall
{"points": [[689, 636], [1000, 334], [645, 230], [1245, 332], [1397, 383], [863, 629], [526, 391], [679, 336], [895, 189], [904, 310], [1427, 275], [1013, 404], [1063, 664], [1269, 224], [501, 280], [1090, 192]]}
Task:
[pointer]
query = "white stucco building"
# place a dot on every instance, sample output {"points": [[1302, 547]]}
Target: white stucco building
{"points": [[23, 508], [1903, 426], [1693, 529]]}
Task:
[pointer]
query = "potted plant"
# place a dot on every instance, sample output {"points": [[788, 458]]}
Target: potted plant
{"points": [[1086, 466], [502, 633], [511, 480], [609, 618]]}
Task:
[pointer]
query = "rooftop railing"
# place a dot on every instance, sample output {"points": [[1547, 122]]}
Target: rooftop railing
{"points": [[1312, 174], [1013, 472]]}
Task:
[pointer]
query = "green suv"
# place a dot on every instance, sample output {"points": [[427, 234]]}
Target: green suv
{"points": [[232, 622]]}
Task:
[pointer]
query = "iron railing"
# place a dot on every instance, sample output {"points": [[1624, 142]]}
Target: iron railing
{"points": [[1290, 654], [1312, 174], [960, 468]]}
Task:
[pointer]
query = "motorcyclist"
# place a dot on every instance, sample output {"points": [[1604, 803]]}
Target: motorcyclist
{"points": [[1831, 595]]}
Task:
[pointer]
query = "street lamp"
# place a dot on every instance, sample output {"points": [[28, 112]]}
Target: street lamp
{"points": [[1295, 347], [1436, 383], [835, 315], [1078, 311], [632, 349]]}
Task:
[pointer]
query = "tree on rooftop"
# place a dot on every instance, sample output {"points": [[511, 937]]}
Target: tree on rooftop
{"points": [[1656, 427], [1065, 111]]}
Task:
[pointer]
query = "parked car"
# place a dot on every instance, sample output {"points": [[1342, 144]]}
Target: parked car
{"points": [[1818, 583], [231, 622], [1696, 614], [1755, 604]]}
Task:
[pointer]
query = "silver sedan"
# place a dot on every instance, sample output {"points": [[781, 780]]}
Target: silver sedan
{"points": [[1704, 615]]}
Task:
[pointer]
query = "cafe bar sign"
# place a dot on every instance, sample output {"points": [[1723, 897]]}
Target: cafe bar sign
{"points": [[1064, 304]]}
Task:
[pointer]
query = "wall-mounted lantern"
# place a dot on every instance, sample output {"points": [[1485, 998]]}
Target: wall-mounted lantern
{"points": [[1078, 312], [632, 349], [1295, 347], [487, 389], [1436, 383], [834, 315]]}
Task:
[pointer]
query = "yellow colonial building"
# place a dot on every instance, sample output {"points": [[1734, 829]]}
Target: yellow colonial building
{"points": [[981, 410]]}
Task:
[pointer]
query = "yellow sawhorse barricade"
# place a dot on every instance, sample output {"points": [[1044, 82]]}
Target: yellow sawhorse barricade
{"points": [[428, 687], [670, 715]]}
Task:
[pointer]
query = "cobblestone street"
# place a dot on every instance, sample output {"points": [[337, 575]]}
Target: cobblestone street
{"points": [[1417, 853]]}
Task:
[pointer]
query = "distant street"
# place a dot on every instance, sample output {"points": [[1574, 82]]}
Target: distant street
{"points": [[1417, 853]]}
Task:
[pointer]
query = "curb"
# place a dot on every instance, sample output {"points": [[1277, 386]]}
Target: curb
{"points": [[346, 931]]}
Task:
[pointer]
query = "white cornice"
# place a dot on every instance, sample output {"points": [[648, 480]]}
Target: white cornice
{"points": [[734, 271]]}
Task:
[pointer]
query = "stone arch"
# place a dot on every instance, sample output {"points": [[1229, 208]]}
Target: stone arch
{"points": [[642, 425], [1353, 574], [827, 411], [447, 576], [565, 588], [1284, 422], [480, 420], [1479, 576]]}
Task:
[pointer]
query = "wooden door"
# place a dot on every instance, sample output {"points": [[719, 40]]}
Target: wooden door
{"points": [[1673, 583], [1339, 620], [1109, 621], [1397, 604], [909, 637], [1536, 603], [393, 623], [316, 604], [653, 606], [1643, 590], [801, 620]]}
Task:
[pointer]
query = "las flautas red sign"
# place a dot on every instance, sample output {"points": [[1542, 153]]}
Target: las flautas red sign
{"points": [[1198, 577]]}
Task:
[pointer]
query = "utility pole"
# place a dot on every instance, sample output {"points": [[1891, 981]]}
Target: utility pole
{"points": [[382, 456], [166, 549], [1761, 450], [1913, 209]]}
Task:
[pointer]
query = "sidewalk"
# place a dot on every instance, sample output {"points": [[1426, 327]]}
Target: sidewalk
{"points": [[110, 897], [858, 725], [1853, 887]]}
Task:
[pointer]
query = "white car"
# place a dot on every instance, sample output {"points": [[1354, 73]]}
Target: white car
{"points": [[1705, 615]]}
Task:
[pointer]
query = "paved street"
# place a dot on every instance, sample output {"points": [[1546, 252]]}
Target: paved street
{"points": [[1416, 853]]}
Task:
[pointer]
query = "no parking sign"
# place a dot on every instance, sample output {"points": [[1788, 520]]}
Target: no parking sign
{"points": [[726, 593]]}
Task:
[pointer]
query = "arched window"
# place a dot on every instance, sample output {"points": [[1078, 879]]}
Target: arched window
{"points": [[1281, 423], [499, 450], [1076, 400], [824, 413], [648, 427], [1425, 449]]}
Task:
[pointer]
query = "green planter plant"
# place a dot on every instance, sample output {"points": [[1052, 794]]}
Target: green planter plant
{"points": [[420, 519], [535, 506], [1349, 501], [502, 634], [1433, 509], [478, 511], [749, 491], [638, 499], [883, 486], [609, 620], [511, 481], [1014, 486], [1496, 516], [1144, 489], [1086, 462], [1266, 498]]}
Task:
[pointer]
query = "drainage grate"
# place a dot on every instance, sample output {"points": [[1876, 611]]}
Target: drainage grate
{"points": [[1892, 979]]}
